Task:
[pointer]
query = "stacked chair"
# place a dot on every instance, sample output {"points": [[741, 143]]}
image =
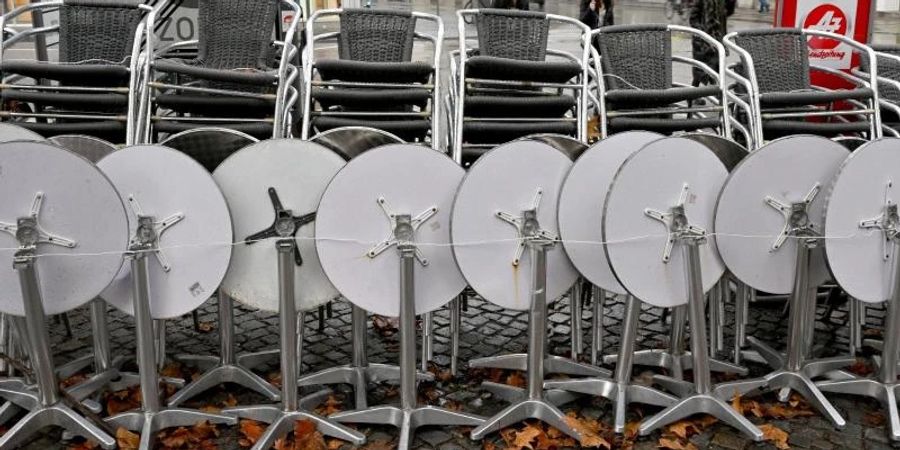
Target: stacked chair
{"points": [[374, 82], [512, 84], [241, 79], [635, 90], [889, 87], [91, 87], [774, 96]]}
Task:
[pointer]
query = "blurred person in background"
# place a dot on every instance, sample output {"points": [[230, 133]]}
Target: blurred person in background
{"points": [[710, 16]]}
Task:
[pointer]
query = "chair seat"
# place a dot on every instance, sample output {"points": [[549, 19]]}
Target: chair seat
{"points": [[374, 72], [776, 128], [406, 129], [217, 105], [259, 130], [493, 68], [110, 130], [661, 124], [250, 76], [79, 102], [650, 98], [69, 74], [532, 107], [476, 132], [371, 99], [812, 97]]}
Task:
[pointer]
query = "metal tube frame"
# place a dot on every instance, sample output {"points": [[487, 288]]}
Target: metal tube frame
{"points": [[794, 371], [281, 418], [408, 416]]}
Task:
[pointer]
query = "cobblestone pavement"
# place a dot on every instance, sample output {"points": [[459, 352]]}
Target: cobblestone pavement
{"points": [[486, 330]]}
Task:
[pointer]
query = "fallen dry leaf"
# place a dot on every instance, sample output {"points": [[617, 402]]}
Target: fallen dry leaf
{"points": [[674, 444], [379, 445], [516, 378], [330, 406], [86, 445], [127, 440], [440, 374], [861, 368], [385, 326], [124, 400], [73, 380], [589, 430], [251, 431], [525, 437], [487, 445], [230, 401], [775, 435], [334, 444], [205, 327], [874, 419]]}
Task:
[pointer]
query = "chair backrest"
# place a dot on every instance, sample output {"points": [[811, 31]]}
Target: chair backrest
{"points": [[512, 34], [888, 68], [376, 35], [780, 58], [636, 56], [98, 30], [236, 34]]}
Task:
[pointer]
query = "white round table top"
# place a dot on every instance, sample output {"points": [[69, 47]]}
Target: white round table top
{"points": [[94, 149], [194, 251], [654, 178], [410, 179], [507, 179], [78, 203], [581, 203], [10, 132], [861, 259], [747, 228], [299, 171]]}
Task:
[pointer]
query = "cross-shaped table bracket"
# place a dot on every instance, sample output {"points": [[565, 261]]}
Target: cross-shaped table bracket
{"points": [[888, 222], [286, 224], [394, 239], [676, 223], [149, 232], [796, 217], [28, 231], [528, 228]]}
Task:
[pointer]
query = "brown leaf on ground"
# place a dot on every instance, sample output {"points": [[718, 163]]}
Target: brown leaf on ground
{"points": [[516, 378], [330, 406], [488, 445], [73, 380], [251, 431], [775, 435], [274, 378], [172, 370], [385, 326], [334, 444], [525, 437], [590, 430], [127, 440], [681, 429], [124, 400], [230, 401], [874, 419], [307, 437], [674, 444], [205, 327], [201, 436], [440, 374], [861, 367], [379, 445], [86, 445]]}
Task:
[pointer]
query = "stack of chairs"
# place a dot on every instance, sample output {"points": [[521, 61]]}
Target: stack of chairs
{"points": [[241, 79], [889, 87], [90, 88], [774, 96], [635, 88], [508, 88], [375, 82]]}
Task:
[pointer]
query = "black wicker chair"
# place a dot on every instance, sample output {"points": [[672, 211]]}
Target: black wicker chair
{"points": [[90, 88], [774, 94], [374, 82], [508, 88], [635, 85], [241, 79]]}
